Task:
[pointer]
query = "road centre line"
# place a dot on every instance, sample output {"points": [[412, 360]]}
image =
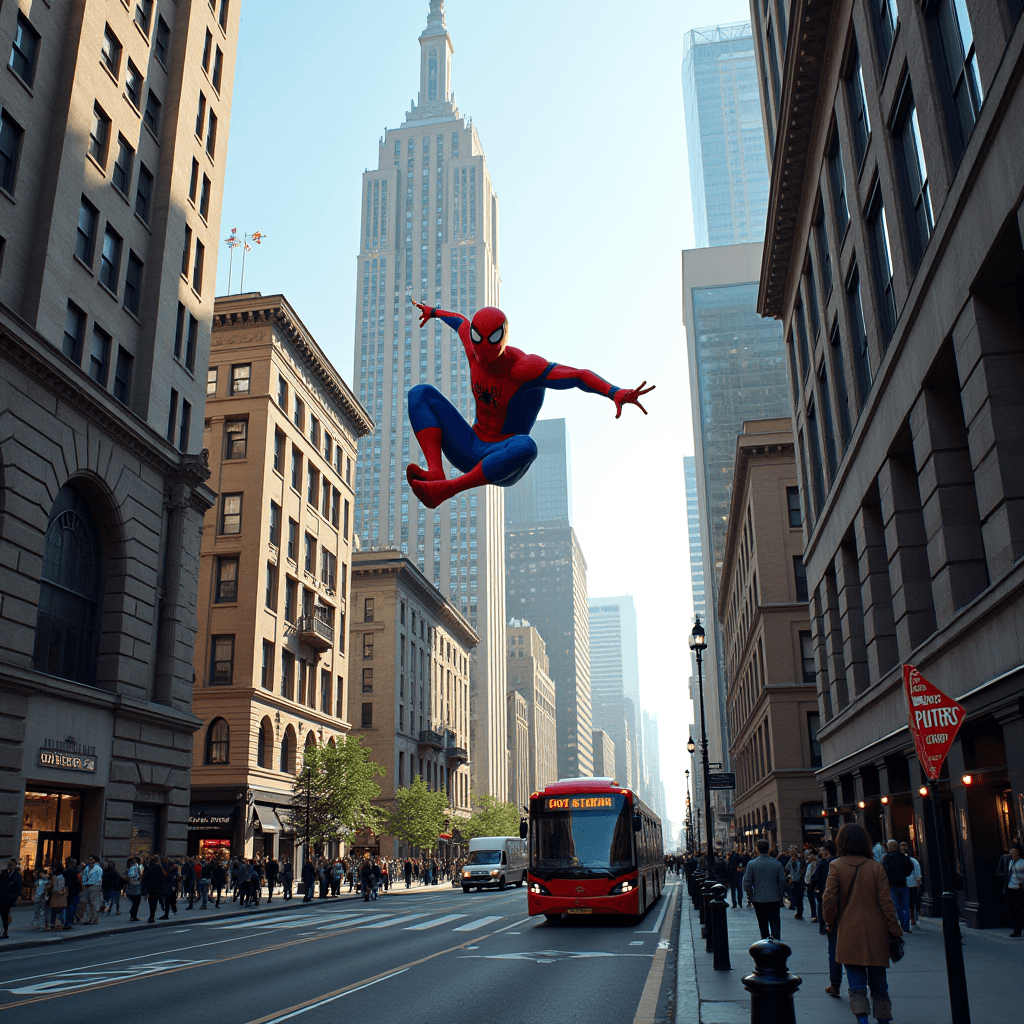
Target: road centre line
{"points": [[340, 995]]}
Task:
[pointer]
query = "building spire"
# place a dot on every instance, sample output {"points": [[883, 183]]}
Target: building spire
{"points": [[436, 100], [435, 20]]}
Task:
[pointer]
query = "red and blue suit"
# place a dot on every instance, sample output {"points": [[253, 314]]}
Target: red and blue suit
{"points": [[508, 387]]}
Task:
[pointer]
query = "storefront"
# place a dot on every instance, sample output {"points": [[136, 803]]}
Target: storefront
{"points": [[211, 830], [51, 829]]}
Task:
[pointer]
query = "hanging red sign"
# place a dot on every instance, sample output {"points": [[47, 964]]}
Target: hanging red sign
{"points": [[935, 720]]}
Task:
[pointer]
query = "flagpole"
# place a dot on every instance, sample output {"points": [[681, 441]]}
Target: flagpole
{"points": [[241, 283], [231, 262]]}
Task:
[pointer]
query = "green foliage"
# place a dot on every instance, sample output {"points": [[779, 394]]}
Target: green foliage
{"points": [[492, 818], [417, 815], [337, 787]]}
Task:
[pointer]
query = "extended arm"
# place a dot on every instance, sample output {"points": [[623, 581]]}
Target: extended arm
{"points": [[562, 377], [456, 321]]}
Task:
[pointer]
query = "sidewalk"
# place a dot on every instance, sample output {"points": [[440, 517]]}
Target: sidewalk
{"points": [[23, 936], [917, 984]]}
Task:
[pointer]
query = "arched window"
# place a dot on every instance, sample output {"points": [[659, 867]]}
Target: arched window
{"points": [[287, 763], [70, 591], [217, 742], [264, 743], [432, 75]]}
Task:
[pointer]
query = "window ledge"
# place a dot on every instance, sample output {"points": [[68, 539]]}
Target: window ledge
{"points": [[78, 259], [198, 295], [110, 74], [96, 164], [131, 103], [120, 193], [138, 217], [21, 81], [151, 132], [139, 29], [113, 295], [134, 316], [7, 195]]}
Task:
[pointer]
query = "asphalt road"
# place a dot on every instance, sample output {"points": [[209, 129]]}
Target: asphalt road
{"points": [[429, 956]]}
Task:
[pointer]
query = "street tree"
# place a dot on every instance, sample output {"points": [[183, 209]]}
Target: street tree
{"points": [[417, 815], [491, 818], [333, 794]]}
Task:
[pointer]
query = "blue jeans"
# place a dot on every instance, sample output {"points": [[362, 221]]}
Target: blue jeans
{"points": [[835, 971], [859, 979], [901, 900], [736, 890], [71, 910]]}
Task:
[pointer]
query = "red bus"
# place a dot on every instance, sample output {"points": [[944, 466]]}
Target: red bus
{"points": [[595, 848]]}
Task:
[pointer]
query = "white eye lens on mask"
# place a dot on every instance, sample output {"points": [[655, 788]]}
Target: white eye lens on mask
{"points": [[475, 334], [497, 335]]}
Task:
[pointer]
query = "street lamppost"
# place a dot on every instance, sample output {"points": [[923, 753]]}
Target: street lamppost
{"points": [[689, 815], [698, 643]]}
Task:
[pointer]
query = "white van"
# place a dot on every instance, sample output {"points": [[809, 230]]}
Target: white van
{"points": [[494, 861]]}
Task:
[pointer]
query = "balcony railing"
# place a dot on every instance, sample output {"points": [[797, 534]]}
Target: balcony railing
{"points": [[457, 754], [314, 632], [429, 738]]}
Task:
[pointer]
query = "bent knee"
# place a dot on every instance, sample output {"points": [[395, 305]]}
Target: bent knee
{"points": [[527, 447]]}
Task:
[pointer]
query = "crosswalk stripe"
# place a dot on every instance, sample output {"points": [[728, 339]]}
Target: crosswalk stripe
{"points": [[479, 923], [397, 920], [433, 924]]}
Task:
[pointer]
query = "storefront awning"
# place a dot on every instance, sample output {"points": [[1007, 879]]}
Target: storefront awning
{"points": [[282, 817], [267, 818], [212, 817]]}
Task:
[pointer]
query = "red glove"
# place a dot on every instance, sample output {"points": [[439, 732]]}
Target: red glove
{"points": [[630, 396]]}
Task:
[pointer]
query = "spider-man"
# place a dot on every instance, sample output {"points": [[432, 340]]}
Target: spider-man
{"points": [[508, 385]]}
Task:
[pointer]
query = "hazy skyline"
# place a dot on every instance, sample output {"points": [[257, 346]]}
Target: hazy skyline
{"points": [[585, 143]]}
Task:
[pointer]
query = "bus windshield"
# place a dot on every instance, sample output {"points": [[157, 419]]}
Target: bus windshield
{"points": [[573, 840]]}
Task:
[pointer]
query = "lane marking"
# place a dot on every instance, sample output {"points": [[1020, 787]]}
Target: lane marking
{"points": [[657, 924], [647, 1008], [433, 924], [330, 999], [482, 922], [395, 920], [72, 981]]}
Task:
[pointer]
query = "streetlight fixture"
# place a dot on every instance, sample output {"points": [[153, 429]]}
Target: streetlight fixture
{"points": [[698, 643], [690, 747]]}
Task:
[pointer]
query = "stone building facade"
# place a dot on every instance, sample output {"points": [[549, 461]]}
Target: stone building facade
{"points": [[527, 674], [271, 654], [771, 699], [109, 206], [410, 696], [894, 261]]}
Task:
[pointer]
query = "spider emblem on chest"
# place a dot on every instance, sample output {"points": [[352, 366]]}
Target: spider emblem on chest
{"points": [[486, 395]]}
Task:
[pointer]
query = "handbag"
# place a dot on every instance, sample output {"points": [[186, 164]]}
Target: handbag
{"points": [[59, 898]]}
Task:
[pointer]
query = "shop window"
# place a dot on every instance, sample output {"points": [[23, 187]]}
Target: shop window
{"points": [[217, 742], [70, 591], [50, 829]]}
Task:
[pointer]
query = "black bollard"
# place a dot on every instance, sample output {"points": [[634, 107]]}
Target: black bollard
{"points": [[709, 924], [698, 882], [771, 986], [720, 928]]}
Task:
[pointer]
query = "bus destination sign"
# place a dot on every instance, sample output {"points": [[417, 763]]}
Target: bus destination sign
{"points": [[579, 803]]}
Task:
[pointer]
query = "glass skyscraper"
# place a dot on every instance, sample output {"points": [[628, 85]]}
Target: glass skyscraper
{"points": [[693, 530], [429, 231], [544, 494], [724, 137]]}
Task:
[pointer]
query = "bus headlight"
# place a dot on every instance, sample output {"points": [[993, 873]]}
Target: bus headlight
{"points": [[538, 890], [621, 888]]}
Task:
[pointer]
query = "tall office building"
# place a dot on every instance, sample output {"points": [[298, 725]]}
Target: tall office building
{"points": [[652, 752], [725, 143], [615, 681], [113, 138], [693, 531], [528, 675], [544, 494], [429, 231]]}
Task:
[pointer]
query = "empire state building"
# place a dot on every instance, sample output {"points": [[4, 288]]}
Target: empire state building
{"points": [[429, 231]]}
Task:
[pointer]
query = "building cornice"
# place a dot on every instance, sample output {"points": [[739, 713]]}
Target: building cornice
{"points": [[804, 69], [71, 386], [252, 309]]}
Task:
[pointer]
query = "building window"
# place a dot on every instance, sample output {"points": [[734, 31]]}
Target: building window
{"points": [[275, 524], [133, 84], [310, 560], [368, 674], [200, 115], [204, 198], [270, 598], [368, 609], [186, 252], [807, 657], [314, 431], [193, 181], [211, 382], [99, 133], [122, 174], [793, 504], [335, 506], [197, 267], [325, 691], [25, 50], [217, 742], [74, 333], [800, 576], [367, 716], [99, 356], [813, 723], [144, 193], [110, 259], [123, 375], [86, 237], [859, 338], [222, 660], [328, 568], [368, 646], [825, 404], [344, 525], [218, 68], [824, 253], [10, 148], [161, 47], [236, 436], [110, 51], [956, 41], [179, 331], [211, 135], [192, 342], [207, 53], [261, 735], [287, 762], [133, 283], [151, 115], [860, 121], [885, 14], [144, 15], [325, 499], [312, 485], [267, 672], [279, 452], [878, 227], [299, 416], [227, 580], [839, 379], [837, 179], [293, 539], [282, 392], [231, 514], [172, 416], [917, 195], [222, 17], [70, 587], [291, 596], [186, 425]]}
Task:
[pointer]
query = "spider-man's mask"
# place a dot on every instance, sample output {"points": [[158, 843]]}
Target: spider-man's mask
{"points": [[489, 334]]}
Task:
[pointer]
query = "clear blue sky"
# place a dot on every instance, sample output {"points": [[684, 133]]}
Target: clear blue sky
{"points": [[579, 109]]}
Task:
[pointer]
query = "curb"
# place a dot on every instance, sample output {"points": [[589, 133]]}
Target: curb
{"points": [[687, 996]]}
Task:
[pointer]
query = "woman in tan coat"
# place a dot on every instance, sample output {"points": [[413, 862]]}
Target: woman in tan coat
{"points": [[858, 904]]}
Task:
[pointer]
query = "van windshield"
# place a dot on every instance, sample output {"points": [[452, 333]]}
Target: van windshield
{"points": [[484, 857], [581, 841]]}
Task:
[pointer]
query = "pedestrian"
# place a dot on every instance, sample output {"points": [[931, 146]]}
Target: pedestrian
{"points": [[366, 878], [376, 877], [10, 892], [58, 898], [735, 868], [188, 881], [308, 880], [913, 885], [812, 896], [74, 886], [764, 882], [133, 886], [205, 877], [40, 894], [795, 870], [170, 888], [897, 867], [407, 870], [385, 876], [273, 872], [336, 871], [92, 890], [153, 880], [1013, 887], [243, 883], [218, 880], [858, 906], [878, 852], [112, 886], [324, 877], [287, 878]]}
